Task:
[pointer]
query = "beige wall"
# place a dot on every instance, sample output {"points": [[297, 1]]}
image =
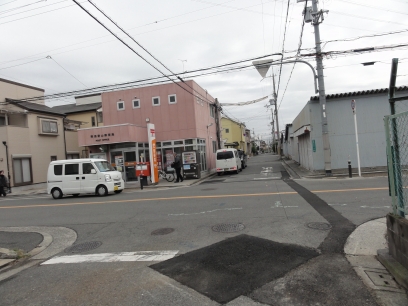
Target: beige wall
{"points": [[71, 138], [13, 90], [88, 99], [43, 147], [84, 117], [27, 141]]}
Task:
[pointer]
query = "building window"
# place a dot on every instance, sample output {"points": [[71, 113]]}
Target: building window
{"points": [[211, 110], [168, 143], [136, 103], [172, 99], [73, 156], [226, 130], [53, 158], [178, 142], [49, 127], [156, 101], [99, 116], [121, 105], [214, 144], [22, 171], [93, 121]]}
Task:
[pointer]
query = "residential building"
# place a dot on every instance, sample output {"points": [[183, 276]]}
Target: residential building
{"points": [[371, 107], [183, 114], [31, 134], [86, 113], [234, 134]]}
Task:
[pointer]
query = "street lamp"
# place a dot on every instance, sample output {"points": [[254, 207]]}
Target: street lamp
{"points": [[8, 169]]}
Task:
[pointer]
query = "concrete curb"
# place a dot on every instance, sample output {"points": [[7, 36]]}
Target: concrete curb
{"points": [[394, 267]]}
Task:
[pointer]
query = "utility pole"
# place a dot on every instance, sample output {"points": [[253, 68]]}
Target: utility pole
{"points": [[316, 17], [275, 98]]}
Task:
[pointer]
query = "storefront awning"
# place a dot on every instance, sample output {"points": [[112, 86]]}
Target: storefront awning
{"points": [[111, 134]]}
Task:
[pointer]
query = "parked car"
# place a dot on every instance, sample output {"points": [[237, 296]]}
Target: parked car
{"points": [[228, 160], [244, 159], [76, 176]]}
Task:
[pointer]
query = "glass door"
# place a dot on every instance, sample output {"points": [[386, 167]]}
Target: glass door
{"points": [[130, 166]]}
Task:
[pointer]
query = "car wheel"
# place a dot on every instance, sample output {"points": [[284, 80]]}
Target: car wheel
{"points": [[101, 191], [75, 195], [56, 193], [118, 191]]}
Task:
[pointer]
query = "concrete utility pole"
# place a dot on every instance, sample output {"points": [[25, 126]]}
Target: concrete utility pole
{"points": [[320, 78], [276, 114], [311, 14]]}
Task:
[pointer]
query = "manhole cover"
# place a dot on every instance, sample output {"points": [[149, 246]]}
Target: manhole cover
{"points": [[228, 228], [208, 189], [83, 247], [163, 231], [319, 225]]}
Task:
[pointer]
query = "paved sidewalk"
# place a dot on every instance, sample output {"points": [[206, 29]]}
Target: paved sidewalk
{"points": [[297, 171], [41, 188]]}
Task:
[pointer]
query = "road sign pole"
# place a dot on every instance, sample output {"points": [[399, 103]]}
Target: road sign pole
{"points": [[353, 107]]}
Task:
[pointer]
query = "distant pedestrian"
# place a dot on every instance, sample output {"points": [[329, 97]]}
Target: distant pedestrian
{"points": [[177, 166], [3, 183]]}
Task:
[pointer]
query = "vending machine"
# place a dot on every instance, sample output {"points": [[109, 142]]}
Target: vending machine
{"points": [[191, 164]]}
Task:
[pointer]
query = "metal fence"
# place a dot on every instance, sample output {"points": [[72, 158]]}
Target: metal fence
{"points": [[396, 134]]}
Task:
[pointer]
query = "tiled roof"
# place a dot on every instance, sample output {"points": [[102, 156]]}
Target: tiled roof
{"points": [[359, 93], [73, 108], [36, 107]]}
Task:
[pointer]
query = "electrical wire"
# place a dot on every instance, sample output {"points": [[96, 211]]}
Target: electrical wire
{"points": [[134, 51], [49, 57], [19, 7], [283, 48]]}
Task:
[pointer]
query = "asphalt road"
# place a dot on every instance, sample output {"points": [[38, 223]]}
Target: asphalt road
{"points": [[266, 212]]}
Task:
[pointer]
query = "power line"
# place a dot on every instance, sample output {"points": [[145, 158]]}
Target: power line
{"points": [[49, 57], [134, 51], [19, 7], [283, 48], [374, 7]]}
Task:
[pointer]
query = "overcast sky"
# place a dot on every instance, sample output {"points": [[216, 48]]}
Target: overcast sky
{"points": [[187, 35]]}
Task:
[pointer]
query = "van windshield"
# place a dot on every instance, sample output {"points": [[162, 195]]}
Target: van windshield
{"points": [[104, 166], [225, 155]]}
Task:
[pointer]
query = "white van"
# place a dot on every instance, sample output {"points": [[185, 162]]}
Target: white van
{"points": [[76, 176], [228, 160]]}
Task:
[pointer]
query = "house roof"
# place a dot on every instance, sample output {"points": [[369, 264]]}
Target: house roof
{"points": [[35, 107], [359, 93], [73, 108]]}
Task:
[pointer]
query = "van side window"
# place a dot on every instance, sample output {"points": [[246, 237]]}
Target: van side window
{"points": [[58, 169], [86, 168], [71, 169]]}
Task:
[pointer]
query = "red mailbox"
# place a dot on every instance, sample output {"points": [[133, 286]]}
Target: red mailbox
{"points": [[143, 169]]}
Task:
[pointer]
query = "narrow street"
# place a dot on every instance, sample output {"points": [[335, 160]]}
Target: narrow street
{"points": [[253, 238]]}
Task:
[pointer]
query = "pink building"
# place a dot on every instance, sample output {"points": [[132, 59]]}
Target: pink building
{"points": [[185, 118]]}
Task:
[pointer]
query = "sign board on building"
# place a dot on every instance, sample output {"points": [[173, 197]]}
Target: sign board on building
{"points": [[154, 166]]}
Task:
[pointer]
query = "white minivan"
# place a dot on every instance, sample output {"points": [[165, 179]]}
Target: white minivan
{"points": [[76, 176], [228, 160]]}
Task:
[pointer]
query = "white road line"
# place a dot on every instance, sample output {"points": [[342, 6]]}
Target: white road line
{"points": [[278, 204], [338, 204], [204, 212], [113, 257], [22, 198]]}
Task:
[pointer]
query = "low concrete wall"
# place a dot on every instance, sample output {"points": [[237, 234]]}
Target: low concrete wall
{"points": [[397, 232]]}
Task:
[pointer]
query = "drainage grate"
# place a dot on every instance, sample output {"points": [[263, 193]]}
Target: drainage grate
{"points": [[83, 247], [319, 226], [382, 279], [163, 231], [228, 228]]}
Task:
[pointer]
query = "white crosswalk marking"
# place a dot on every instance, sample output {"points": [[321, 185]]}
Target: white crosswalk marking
{"points": [[113, 257]]}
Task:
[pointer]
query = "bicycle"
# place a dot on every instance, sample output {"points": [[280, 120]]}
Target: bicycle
{"points": [[167, 176]]}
